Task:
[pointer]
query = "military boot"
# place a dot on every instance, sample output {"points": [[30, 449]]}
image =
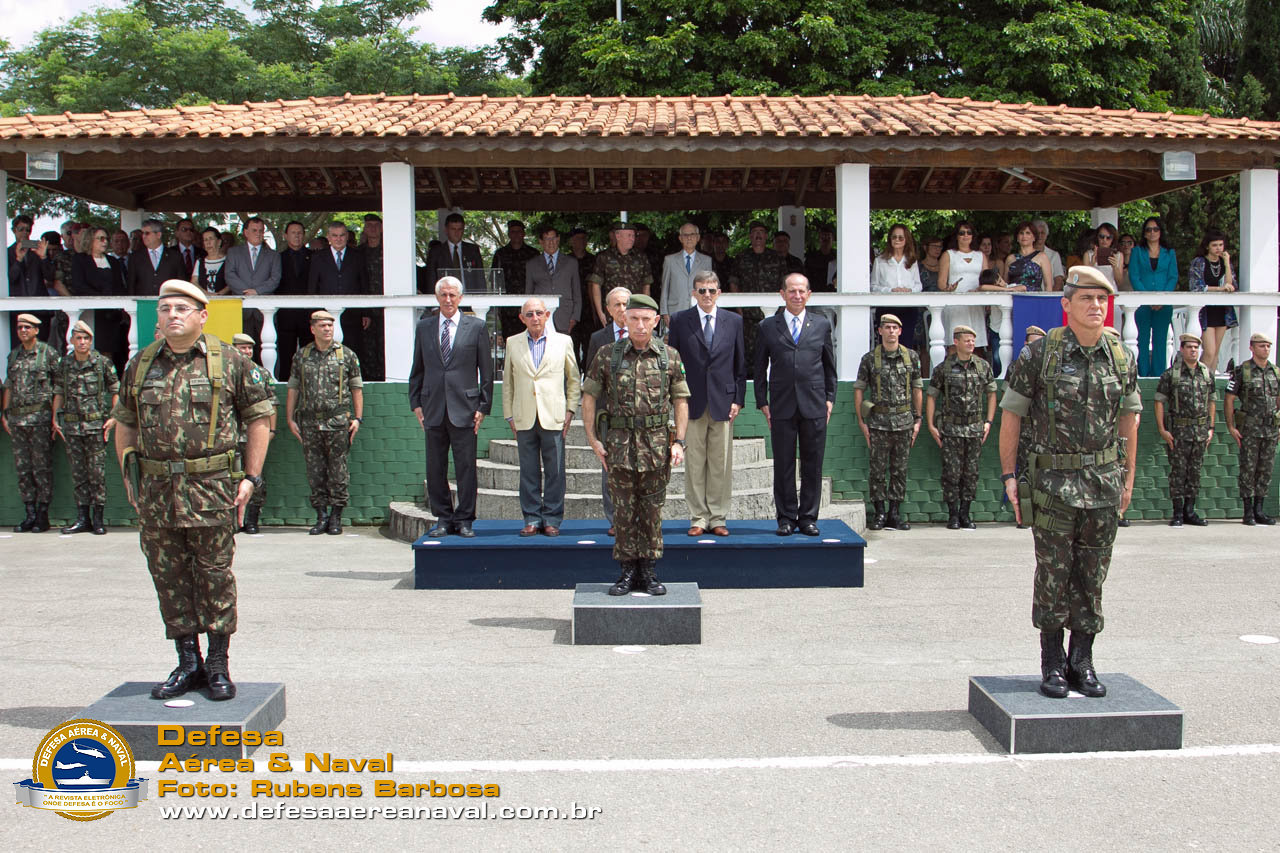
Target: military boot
{"points": [[42, 519], [1179, 507], [1248, 518], [250, 525], [190, 673], [322, 521], [221, 687], [27, 523], [1052, 665], [334, 528], [99, 529], [1080, 674], [81, 523], [877, 517], [625, 583], [646, 580], [966, 523], [894, 520], [1259, 515], [953, 515], [1189, 512]]}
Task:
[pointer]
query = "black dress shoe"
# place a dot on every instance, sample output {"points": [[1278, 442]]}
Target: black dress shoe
{"points": [[808, 528], [1123, 522], [441, 529], [465, 531], [785, 528]]}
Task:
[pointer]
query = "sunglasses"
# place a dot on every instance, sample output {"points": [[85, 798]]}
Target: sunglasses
{"points": [[708, 290], [964, 233], [1151, 229]]}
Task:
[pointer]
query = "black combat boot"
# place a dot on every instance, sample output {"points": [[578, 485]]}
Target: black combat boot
{"points": [[877, 517], [27, 523], [322, 521], [250, 525], [627, 581], [966, 523], [646, 580], [221, 687], [99, 529], [1259, 515], [1179, 507], [894, 520], [1080, 674], [82, 521], [42, 519], [953, 515], [1189, 512], [334, 528], [1248, 518], [1053, 665], [190, 673]]}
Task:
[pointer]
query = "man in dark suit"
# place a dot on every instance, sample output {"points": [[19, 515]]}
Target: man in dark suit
{"points": [[456, 257], [553, 272], [451, 391], [795, 380], [155, 263], [711, 346], [293, 325], [340, 271], [615, 304]]}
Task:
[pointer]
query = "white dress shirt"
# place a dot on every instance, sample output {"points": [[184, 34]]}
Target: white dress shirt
{"points": [[888, 273]]}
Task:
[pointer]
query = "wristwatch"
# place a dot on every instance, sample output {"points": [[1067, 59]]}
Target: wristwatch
{"points": [[1004, 478], [255, 480], [680, 441]]}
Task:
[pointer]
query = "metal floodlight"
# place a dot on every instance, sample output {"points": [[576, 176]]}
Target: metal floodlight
{"points": [[44, 166], [1178, 166]]}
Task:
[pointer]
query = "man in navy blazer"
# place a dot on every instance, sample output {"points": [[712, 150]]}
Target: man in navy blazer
{"points": [[451, 391], [795, 381], [710, 344], [339, 270]]}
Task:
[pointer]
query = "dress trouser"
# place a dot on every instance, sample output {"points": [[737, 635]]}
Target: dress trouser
{"points": [[708, 470], [812, 436], [1153, 335], [541, 475], [441, 440]]}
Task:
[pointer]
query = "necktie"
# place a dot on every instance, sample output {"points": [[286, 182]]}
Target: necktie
{"points": [[253, 257], [795, 329], [155, 259], [621, 332], [446, 345], [186, 259], [551, 264], [457, 263], [707, 331], [337, 259], [688, 263]]}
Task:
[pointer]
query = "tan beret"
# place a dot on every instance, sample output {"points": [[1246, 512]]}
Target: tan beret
{"points": [[1255, 338], [890, 318], [1034, 330], [962, 330], [241, 338], [178, 287], [29, 319], [1189, 339], [82, 326], [1086, 276], [317, 316]]}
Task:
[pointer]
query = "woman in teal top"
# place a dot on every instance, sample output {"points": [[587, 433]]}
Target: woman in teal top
{"points": [[1153, 267]]}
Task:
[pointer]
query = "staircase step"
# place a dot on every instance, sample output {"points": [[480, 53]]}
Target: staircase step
{"points": [[504, 452], [493, 475]]}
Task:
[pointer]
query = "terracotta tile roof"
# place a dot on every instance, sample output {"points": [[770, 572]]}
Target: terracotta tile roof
{"points": [[446, 116]]}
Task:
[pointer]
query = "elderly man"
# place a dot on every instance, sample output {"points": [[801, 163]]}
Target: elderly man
{"points": [[540, 391], [85, 392], [27, 403], [1256, 426], [154, 263], [181, 405], [451, 392], [1184, 418], [1055, 260], [710, 344], [963, 388], [615, 330], [679, 270], [553, 272]]}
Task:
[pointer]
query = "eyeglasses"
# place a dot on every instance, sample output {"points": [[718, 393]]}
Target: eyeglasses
{"points": [[102, 237], [532, 314], [1151, 229], [708, 290], [176, 310], [898, 238], [1106, 236], [964, 233]]}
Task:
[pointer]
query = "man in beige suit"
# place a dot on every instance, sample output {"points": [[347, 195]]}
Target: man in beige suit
{"points": [[540, 391]]}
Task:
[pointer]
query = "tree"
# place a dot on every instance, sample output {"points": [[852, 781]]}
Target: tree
{"points": [[1260, 55]]}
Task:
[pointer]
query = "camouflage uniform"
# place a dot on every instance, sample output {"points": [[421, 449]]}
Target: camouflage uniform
{"points": [[960, 389], [752, 273], [1257, 391], [187, 518], [32, 376], [617, 270], [1024, 436], [86, 388], [890, 422], [1075, 500], [259, 497], [324, 381], [639, 457], [512, 263], [1186, 395]]}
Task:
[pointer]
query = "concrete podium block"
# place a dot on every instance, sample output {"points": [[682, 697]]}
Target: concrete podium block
{"points": [[600, 619], [1130, 717], [130, 710]]}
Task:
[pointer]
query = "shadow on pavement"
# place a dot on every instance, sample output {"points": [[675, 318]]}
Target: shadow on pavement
{"points": [[561, 627], [41, 717]]}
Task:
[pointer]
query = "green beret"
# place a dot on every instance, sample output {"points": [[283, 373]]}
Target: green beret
{"points": [[639, 300]]}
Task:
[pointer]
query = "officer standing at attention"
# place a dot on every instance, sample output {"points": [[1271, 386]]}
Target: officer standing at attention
{"points": [[182, 402], [642, 385], [1255, 425], [1079, 388], [28, 418], [324, 409], [244, 343], [84, 394], [887, 397], [1033, 334], [1184, 419], [966, 389]]}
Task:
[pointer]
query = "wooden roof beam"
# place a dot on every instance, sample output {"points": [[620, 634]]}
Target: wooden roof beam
{"points": [[444, 187], [96, 193], [802, 187], [1058, 183]]}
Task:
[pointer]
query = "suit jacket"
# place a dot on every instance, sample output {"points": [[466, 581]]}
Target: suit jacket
{"points": [[197, 252], [801, 375], [295, 272], [599, 338], [548, 393], [677, 285], [440, 263], [565, 283], [717, 377], [325, 279], [459, 388], [240, 275], [144, 280]]}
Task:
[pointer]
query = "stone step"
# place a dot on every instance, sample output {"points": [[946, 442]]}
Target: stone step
{"points": [[504, 452], [492, 475]]}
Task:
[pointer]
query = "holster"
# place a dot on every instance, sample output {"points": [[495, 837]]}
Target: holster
{"points": [[866, 408], [130, 470], [1026, 484]]}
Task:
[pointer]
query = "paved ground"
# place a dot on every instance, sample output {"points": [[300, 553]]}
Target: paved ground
{"points": [[814, 719]]}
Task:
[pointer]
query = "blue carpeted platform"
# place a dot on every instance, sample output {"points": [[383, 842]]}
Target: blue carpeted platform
{"points": [[752, 557]]}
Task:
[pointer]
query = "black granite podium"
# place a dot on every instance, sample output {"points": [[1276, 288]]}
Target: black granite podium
{"points": [[1130, 717], [638, 619], [130, 710]]}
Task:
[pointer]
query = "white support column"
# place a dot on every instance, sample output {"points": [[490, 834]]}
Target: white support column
{"points": [[1107, 215], [130, 220], [1259, 252], [270, 351], [853, 262], [4, 206], [399, 267], [791, 220]]}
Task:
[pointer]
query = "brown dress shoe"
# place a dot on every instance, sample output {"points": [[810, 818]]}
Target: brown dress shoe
{"points": [[529, 530], [696, 531], [551, 530], [720, 530], [611, 533]]}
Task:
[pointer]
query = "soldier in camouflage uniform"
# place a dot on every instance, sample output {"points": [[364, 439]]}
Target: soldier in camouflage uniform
{"points": [[252, 513], [1256, 384], [84, 395], [618, 267], [511, 259], [1033, 334], [887, 397], [373, 342], [965, 389], [1184, 419], [181, 404], [637, 451], [28, 418], [757, 270], [324, 409], [1079, 388], [588, 323]]}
